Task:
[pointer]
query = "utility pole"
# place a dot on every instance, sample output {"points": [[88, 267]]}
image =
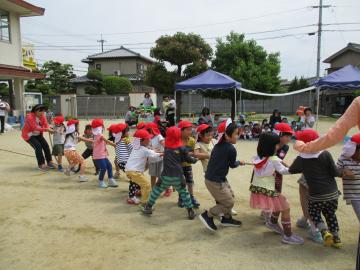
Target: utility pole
{"points": [[102, 41], [318, 57]]}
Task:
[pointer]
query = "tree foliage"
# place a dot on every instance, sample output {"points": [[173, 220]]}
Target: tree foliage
{"points": [[158, 77], [117, 85], [297, 84]]}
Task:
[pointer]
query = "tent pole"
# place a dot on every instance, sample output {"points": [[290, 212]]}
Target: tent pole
{"points": [[235, 104], [317, 105], [175, 106], [241, 107]]}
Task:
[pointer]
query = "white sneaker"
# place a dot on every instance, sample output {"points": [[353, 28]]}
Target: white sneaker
{"points": [[113, 183], [83, 178], [102, 184], [133, 200]]}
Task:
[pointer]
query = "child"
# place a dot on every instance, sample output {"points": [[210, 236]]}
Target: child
{"points": [[266, 128], [294, 126], [263, 192], [172, 174], [112, 139], [256, 131], [204, 145], [89, 146], [189, 143], [349, 166], [223, 157], [247, 132], [136, 164], [131, 118], [320, 171], [156, 165], [307, 120], [59, 139], [158, 122], [74, 158], [100, 153]]}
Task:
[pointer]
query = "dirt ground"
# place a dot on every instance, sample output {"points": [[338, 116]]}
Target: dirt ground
{"points": [[51, 221]]}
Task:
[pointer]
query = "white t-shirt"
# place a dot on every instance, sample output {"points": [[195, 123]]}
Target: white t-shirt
{"points": [[157, 146], [310, 121], [138, 159], [3, 107], [71, 141]]}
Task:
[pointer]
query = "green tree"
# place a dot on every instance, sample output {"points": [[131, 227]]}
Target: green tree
{"points": [[95, 74], [96, 86], [303, 83], [248, 63], [195, 69], [57, 80], [297, 84], [4, 89], [158, 77], [117, 85], [179, 50]]}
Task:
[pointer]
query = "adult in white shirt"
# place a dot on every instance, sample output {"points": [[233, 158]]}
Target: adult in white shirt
{"points": [[147, 102], [308, 120], [4, 107]]}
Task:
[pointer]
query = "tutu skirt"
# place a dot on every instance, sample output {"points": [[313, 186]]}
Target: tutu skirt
{"points": [[275, 204]]}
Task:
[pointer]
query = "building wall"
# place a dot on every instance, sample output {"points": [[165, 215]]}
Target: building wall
{"points": [[349, 57], [10, 53], [126, 66]]}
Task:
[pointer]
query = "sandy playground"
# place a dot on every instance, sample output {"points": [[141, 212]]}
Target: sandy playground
{"points": [[51, 221]]}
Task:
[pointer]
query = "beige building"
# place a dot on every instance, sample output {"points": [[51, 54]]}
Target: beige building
{"points": [[12, 69], [350, 55]]}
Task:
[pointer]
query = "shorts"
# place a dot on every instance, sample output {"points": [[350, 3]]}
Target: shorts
{"points": [[58, 150], [188, 174], [155, 168], [73, 157], [302, 181]]}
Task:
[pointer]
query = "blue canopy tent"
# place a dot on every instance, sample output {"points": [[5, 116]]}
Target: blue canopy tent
{"points": [[209, 80], [347, 77]]}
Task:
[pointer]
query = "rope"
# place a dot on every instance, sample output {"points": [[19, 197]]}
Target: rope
{"points": [[13, 152], [277, 95]]}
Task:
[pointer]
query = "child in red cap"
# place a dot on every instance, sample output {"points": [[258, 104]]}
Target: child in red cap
{"points": [[74, 158], [100, 153], [205, 144], [172, 174], [320, 171], [189, 142], [58, 140], [137, 162]]}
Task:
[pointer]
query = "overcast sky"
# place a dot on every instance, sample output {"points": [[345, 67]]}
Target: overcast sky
{"points": [[137, 24]]}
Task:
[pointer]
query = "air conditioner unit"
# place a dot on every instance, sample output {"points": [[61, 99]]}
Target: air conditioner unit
{"points": [[117, 73]]}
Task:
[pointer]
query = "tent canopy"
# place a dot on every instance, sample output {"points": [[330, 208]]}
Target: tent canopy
{"points": [[346, 77], [208, 80]]}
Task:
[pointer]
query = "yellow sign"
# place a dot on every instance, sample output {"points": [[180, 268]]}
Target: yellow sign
{"points": [[28, 56]]}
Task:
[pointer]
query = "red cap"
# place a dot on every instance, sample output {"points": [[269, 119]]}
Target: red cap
{"points": [[72, 122], [58, 120], [140, 125], [307, 135], [116, 128], [284, 128], [222, 127], [173, 138], [97, 123], [184, 124], [202, 127], [356, 138], [153, 127], [142, 134]]}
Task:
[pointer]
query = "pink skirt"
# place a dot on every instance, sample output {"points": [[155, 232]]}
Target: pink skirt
{"points": [[275, 204]]}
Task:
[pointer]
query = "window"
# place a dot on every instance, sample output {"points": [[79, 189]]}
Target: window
{"points": [[4, 26], [139, 68], [98, 66]]}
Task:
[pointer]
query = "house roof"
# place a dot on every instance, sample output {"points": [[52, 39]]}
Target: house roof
{"points": [[81, 80], [23, 8], [350, 47], [121, 52], [19, 72]]}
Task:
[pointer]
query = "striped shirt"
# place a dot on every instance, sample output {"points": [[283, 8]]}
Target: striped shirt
{"points": [[351, 185], [123, 150]]}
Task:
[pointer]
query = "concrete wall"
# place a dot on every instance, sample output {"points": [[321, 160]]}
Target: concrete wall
{"points": [[10, 52]]}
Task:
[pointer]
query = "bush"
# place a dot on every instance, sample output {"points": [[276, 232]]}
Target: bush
{"points": [[95, 74], [117, 85]]}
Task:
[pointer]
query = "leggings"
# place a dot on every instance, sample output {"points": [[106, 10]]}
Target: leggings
{"points": [[40, 145], [104, 165], [328, 209], [165, 182], [88, 153]]}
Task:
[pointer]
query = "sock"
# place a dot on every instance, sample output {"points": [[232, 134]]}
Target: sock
{"points": [[286, 224], [274, 217]]}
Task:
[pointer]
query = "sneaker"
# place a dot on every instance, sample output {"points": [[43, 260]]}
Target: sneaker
{"points": [[230, 222], [327, 238], [146, 209], [292, 240], [181, 203], [43, 168], [233, 212], [195, 203], [83, 178], [168, 192], [102, 184], [133, 200], [274, 227], [67, 172], [51, 166], [138, 193], [337, 242], [191, 214], [113, 183], [303, 223], [315, 236], [60, 168], [208, 221]]}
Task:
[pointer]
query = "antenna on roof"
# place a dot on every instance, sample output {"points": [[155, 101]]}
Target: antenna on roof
{"points": [[102, 41]]}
